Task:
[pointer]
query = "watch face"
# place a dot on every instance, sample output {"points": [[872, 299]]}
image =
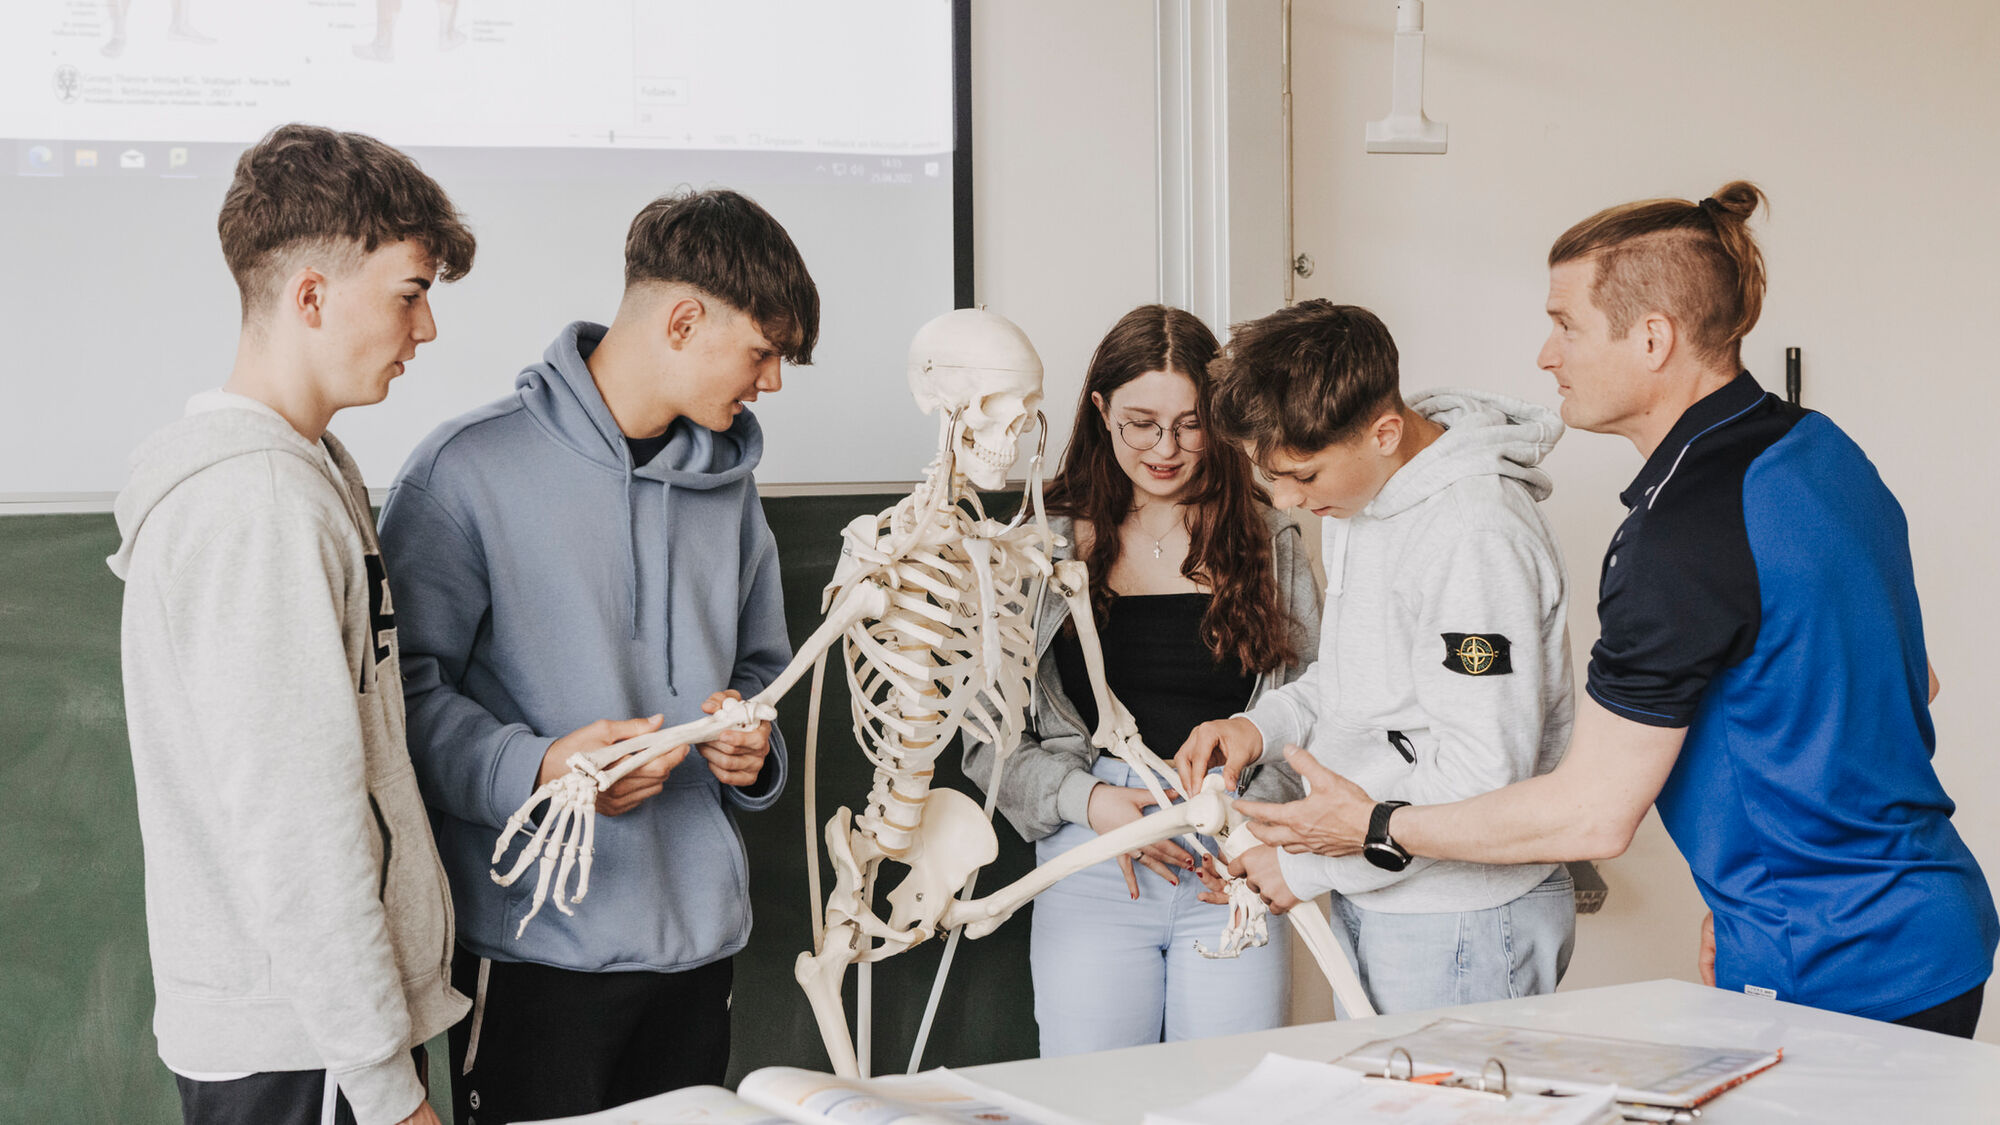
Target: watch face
{"points": [[1388, 857]]}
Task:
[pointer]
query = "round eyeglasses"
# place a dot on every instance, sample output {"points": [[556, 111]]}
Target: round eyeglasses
{"points": [[1144, 435]]}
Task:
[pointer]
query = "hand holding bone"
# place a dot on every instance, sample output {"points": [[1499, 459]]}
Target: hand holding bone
{"points": [[735, 757], [1259, 867], [1114, 806], [1234, 744], [633, 788], [1331, 819]]}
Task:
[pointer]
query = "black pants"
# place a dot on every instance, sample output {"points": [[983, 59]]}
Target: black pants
{"points": [[555, 1042], [1958, 1016], [276, 1097]]}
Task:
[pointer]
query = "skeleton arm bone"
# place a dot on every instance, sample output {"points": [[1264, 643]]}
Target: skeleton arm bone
{"points": [[1206, 812], [858, 602]]}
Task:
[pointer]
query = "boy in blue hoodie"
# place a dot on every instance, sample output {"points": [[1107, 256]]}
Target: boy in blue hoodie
{"points": [[588, 549], [1443, 667]]}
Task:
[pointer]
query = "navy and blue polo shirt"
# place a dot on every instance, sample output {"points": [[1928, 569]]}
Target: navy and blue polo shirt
{"points": [[1760, 594]]}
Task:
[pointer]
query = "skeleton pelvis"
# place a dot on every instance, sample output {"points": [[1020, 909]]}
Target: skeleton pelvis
{"points": [[954, 841]]}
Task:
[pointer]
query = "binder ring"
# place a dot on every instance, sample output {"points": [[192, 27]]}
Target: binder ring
{"points": [[1492, 1064], [1409, 1065]]}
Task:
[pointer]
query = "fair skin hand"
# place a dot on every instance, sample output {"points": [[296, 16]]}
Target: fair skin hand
{"points": [[1705, 957], [1234, 744], [1257, 867], [735, 757], [675, 352], [627, 792], [1588, 807], [425, 1115], [341, 326], [1115, 806]]}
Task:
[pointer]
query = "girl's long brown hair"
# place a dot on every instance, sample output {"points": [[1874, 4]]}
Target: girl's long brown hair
{"points": [[1230, 544]]}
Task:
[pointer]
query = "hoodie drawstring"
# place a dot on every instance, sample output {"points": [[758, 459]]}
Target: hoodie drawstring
{"points": [[667, 618], [631, 555], [1336, 557]]}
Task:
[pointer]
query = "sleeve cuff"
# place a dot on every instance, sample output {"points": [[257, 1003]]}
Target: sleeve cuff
{"points": [[1073, 797], [1305, 873], [514, 773], [762, 793], [382, 1094], [1277, 728], [1636, 714]]}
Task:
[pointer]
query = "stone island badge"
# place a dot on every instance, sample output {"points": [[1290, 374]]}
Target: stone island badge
{"points": [[1478, 654]]}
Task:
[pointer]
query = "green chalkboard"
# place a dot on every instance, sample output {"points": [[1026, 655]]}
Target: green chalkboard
{"points": [[76, 993]]}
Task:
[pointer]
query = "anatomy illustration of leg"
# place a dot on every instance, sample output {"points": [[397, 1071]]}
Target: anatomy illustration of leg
{"points": [[115, 46], [382, 48], [449, 36], [183, 30]]}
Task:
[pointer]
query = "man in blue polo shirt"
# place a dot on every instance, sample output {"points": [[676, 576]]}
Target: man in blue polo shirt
{"points": [[1761, 672]]}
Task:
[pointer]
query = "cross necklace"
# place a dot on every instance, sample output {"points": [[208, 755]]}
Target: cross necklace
{"points": [[1159, 542]]}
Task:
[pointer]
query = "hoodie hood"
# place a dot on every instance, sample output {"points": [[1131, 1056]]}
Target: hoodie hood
{"points": [[563, 398], [1485, 435], [179, 451]]}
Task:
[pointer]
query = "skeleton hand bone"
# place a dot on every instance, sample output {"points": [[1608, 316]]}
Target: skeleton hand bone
{"points": [[564, 841]]}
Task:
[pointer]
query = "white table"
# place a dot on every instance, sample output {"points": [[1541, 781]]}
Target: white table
{"points": [[1836, 1068]]}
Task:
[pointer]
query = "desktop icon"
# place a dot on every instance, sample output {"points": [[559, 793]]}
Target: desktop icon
{"points": [[86, 158], [41, 158], [930, 168], [177, 158], [131, 158]]}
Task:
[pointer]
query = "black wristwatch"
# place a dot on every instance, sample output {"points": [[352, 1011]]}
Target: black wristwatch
{"points": [[1382, 851]]}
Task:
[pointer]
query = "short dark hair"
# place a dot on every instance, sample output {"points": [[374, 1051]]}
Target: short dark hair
{"points": [[1695, 262], [1304, 378], [722, 243], [305, 185]]}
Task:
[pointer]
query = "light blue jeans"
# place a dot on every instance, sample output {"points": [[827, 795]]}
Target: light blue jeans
{"points": [[1114, 972], [1410, 962]]}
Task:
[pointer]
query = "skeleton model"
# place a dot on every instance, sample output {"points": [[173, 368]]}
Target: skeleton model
{"points": [[934, 606]]}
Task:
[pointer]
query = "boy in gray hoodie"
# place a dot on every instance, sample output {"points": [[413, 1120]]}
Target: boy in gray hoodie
{"points": [[588, 549], [297, 914], [1443, 667]]}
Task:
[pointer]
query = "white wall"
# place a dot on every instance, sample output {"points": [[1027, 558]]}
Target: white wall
{"points": [[1065, 185], [1876, 138]]}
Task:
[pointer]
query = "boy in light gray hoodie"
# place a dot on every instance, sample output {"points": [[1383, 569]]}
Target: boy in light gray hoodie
{"points": [[1443, 667], [297, 914]]}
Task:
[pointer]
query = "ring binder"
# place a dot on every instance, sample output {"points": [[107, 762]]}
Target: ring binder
{"points": [[1657, 1083], [1443, 1080]]}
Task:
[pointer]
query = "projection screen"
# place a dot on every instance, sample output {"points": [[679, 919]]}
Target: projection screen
{"points": [[549, 123]]}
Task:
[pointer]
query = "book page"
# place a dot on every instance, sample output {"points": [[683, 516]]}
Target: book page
{"points": [[695, 1105], [933, 1098], [1287, 1091]]}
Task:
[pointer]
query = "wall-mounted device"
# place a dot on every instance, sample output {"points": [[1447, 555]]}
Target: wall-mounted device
{"points": [[1406, 129]]}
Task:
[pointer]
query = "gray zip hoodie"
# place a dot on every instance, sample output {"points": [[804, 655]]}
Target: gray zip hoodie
{"points": [[295, 908], [1444, 667], [1047, 780]]}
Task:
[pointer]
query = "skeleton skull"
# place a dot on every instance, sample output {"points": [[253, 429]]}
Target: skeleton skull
{"points": [[978, 364]]}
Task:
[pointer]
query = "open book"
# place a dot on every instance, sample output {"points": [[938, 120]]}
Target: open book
{"points": [[1651, 1074], [778, 1095]]}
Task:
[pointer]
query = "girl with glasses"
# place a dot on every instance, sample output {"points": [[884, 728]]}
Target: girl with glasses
{"points": [[1204, 600]]}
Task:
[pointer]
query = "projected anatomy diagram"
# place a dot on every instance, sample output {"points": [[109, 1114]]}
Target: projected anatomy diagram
{"points": [[494, 73]]}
